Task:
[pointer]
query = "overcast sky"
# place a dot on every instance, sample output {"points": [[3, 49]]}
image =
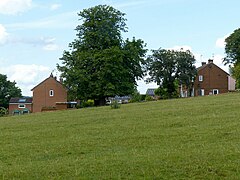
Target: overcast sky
{"points": [[34, 33]]}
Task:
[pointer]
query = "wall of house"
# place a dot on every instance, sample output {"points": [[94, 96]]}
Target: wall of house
{"points": [[61, 106], [13, 107], [41, 94], [231, 84], [213, 78]]}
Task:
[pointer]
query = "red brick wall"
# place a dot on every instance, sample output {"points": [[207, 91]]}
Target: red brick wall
{"points": [[13, 107], [41, 97], [213, 78], [61, 106]]}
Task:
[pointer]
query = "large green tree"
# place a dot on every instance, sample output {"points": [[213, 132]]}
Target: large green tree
{"points": [[232, 50], [168, 68], [8, 90], [100, 63]]}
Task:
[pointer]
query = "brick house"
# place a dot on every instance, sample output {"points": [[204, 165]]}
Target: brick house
{"points": [[49, 94], [211, 79], [20, 105]]}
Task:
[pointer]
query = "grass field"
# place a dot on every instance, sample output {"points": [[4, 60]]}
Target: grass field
{"points": [[193, 138]]}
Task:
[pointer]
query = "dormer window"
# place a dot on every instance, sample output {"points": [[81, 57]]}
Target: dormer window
{"points": [[200, 78], [51, 93]]}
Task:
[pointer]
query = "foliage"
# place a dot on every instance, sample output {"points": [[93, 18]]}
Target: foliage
{"points": [[166, 67], [8, 90], [88, 103], [190, 138], [232, 48], [235, 72], [3, 111], [148, 98], [136, 97], [100, 63], [115, 104], [162, 93]]}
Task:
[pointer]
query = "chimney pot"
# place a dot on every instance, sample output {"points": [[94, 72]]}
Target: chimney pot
{"points": [[203, 63], [210, 61]]}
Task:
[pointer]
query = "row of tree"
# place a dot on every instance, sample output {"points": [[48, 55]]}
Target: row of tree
{"points": [[101, 64]]}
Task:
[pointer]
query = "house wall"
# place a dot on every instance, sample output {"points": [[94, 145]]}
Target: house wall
{"points": [[61, 106], [213, 78], [42, 98], [13, 107], [231, 84]]}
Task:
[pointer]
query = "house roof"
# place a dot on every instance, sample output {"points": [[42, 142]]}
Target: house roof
{"points": [[151, 91], [202, 67], [211, 64], [50, 77], [20, 100]]}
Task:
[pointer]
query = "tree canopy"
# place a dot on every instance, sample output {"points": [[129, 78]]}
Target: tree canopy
{"points": [[100, 63], [232, 50], [8, 90], [168, 68]]}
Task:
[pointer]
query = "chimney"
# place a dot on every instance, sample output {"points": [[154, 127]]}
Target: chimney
{"points": [[203, 63], [210, 61], [61, 80]]}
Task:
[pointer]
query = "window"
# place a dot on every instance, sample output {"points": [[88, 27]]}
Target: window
{"points": [[215, 91], [51, 93], [202, 92], [21, 106], [200, 78]]}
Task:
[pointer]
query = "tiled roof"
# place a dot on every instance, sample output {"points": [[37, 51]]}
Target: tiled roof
{"points": [[50, 77], [21, 100], [201, 67], [210, 64]]}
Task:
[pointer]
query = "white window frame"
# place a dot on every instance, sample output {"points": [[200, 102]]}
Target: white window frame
{"points": [[21, 106], [200, 78], [202, 92], [215, 90], [51, 93]]}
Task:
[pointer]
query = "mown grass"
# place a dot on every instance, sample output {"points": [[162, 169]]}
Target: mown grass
{"points": [[193, 138]]}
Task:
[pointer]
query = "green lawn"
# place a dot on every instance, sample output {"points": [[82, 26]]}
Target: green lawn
{"points": [[193, 138]]}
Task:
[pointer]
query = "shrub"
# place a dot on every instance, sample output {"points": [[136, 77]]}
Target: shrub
{"points": [[78, 106], [149, 98], [115, 104], [88, 103], [137, 97], [3, 111]]}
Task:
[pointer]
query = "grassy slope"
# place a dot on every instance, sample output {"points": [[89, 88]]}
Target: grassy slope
{"points": [[183, 138]]}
